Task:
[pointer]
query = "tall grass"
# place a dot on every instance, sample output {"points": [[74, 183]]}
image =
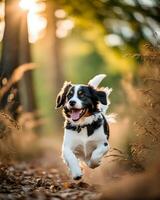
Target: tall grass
{"points": [[145, 146]]}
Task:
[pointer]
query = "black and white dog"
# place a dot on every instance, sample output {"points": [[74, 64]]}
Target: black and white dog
{"points": [[86, 125]]}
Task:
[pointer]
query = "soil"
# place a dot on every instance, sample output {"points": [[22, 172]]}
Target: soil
{"points": [[40, 180]]}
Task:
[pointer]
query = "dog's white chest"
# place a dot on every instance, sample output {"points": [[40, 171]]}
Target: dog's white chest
{"points": [[83, 145], [84, 151]]}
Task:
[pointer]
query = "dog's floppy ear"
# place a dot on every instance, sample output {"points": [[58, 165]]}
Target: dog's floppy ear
{"points": [[99, 95], [102, 97], [61, 97]]}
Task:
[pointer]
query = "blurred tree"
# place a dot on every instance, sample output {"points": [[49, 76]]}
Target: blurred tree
{"points": [[10, 52], [26, 85], [54, 46], [47, 52], [15, 53]]}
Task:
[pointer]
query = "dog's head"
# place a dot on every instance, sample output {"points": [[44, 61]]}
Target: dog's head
{"points": [[79, 101]]}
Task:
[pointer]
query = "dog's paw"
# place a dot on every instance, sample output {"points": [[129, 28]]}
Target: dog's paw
{"points": [[77, 175], [76, 178], [93, 163]]}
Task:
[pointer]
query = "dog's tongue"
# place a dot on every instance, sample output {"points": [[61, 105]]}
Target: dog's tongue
{"points": [[75, 114]]}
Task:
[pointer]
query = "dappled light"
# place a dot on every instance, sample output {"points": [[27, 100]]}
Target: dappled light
{"points": [[40, 23], [113, 40], [63, 28]]}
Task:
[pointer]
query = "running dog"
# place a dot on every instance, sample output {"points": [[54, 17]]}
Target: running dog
{"points": [[86, 129]]}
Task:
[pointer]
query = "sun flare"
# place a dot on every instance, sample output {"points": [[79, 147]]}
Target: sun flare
{"points": [[27, 4], [36, 22]]}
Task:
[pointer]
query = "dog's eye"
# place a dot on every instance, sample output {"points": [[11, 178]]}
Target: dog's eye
{"points": [[81, 93], [70, 93]]}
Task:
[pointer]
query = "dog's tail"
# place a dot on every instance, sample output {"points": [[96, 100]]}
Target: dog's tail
{"points": [[96, 80]]}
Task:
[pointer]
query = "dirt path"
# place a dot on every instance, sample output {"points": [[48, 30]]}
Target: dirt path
{"points": [[38, 180]]}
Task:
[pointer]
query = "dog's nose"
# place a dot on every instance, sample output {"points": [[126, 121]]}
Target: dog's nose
{"points": [[72, 103]]}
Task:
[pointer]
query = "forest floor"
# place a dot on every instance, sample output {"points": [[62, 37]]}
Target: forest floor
{"points": [[41, 178]]}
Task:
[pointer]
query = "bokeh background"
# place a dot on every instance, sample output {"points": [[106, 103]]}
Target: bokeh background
{"points": [[45, 42]]}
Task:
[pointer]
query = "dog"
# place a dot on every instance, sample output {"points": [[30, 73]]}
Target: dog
{"points": [[86, 128]]}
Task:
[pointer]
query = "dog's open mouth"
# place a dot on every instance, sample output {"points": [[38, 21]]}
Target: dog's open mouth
{"points": [[76, 114]]}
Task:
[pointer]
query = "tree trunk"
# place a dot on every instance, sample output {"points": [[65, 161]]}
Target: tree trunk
{"points": [[57, 55], [16, 52], [26, 83], [55, 65], [26, 86], [10, 43], [10, 49]]}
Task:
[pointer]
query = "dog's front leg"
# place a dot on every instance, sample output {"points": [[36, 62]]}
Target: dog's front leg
{"points": [[97, 155], [72, 162]]}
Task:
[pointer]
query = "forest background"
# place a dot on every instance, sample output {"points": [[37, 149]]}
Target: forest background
{"points": [[45, 42]]}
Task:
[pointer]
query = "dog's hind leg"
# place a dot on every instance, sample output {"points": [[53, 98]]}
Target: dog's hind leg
{"points": [[72, 162]]}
